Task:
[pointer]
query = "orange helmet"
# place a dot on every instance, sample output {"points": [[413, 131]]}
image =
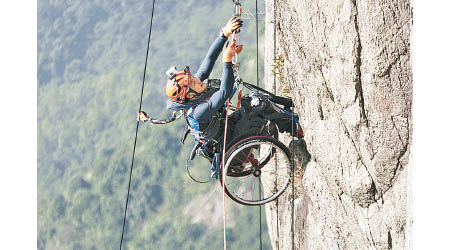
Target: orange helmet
{"points": [[178, 84]]}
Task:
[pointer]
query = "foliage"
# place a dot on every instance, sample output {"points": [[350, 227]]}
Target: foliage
{"points": [[90, 62], [278, 70]]}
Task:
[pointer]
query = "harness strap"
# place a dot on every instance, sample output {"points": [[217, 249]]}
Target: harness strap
{"points": [[239, 100], [210, 132]]}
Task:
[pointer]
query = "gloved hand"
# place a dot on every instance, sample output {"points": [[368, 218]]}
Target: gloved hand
{"points": [[233, 24], [230, 51]]}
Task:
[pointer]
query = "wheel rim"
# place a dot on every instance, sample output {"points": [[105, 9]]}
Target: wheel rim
{"points": [[257, 172]]}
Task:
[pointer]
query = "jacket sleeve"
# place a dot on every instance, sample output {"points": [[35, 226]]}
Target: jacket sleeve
{"points": [[205, 110], [210, 58]]}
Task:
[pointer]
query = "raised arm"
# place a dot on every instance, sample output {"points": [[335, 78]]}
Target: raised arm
{"points": [[208, 62], [204, 111], [210, 58]]}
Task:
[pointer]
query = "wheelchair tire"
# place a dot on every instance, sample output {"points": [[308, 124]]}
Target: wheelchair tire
{"points": [[258, 170]]}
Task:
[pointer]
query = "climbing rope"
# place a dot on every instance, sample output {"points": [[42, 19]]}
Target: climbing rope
{"points": [[237, 12], [223, 179], [257, 84], [257, 44], [274, 89], [235, 37], [192, 177], [137, 126], [293, 182]]}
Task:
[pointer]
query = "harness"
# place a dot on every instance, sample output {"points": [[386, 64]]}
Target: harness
{"points": [[198, 130], [210, 130]]}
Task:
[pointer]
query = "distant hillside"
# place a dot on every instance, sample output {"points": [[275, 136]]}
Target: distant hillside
{"points": [[90, 64]]}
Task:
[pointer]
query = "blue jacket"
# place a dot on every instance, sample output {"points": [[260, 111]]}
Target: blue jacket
{"points": [[203, 109]]}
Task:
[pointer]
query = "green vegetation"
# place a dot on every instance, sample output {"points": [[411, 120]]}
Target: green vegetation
{"points": [[91, 57], [278, 70]]}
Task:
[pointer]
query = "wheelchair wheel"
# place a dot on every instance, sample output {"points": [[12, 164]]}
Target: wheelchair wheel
{"points": [[258, 170]]}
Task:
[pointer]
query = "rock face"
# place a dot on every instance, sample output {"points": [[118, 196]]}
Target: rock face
{"points": [[347, 65]]}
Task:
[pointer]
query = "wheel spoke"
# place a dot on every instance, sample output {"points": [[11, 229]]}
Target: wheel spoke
{"points": [[256, 188], [236, 167], [246, 155], [272, 190], [239, 159], [239, 180], [272, 172]]}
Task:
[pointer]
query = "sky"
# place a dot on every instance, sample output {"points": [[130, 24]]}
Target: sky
{"points": [[430, 149]]}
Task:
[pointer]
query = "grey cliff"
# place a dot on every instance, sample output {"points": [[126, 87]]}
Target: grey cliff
{"points": [[347, 67]]}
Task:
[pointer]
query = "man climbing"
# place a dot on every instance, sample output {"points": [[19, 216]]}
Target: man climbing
{"points": [[203, 103], [189, 92]]}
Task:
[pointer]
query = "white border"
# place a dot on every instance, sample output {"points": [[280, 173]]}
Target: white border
{"points": [[431, 168], [18, 124]]}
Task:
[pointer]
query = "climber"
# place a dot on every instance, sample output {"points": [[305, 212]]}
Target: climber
{"points": [[189, 92], [203, 101]]}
